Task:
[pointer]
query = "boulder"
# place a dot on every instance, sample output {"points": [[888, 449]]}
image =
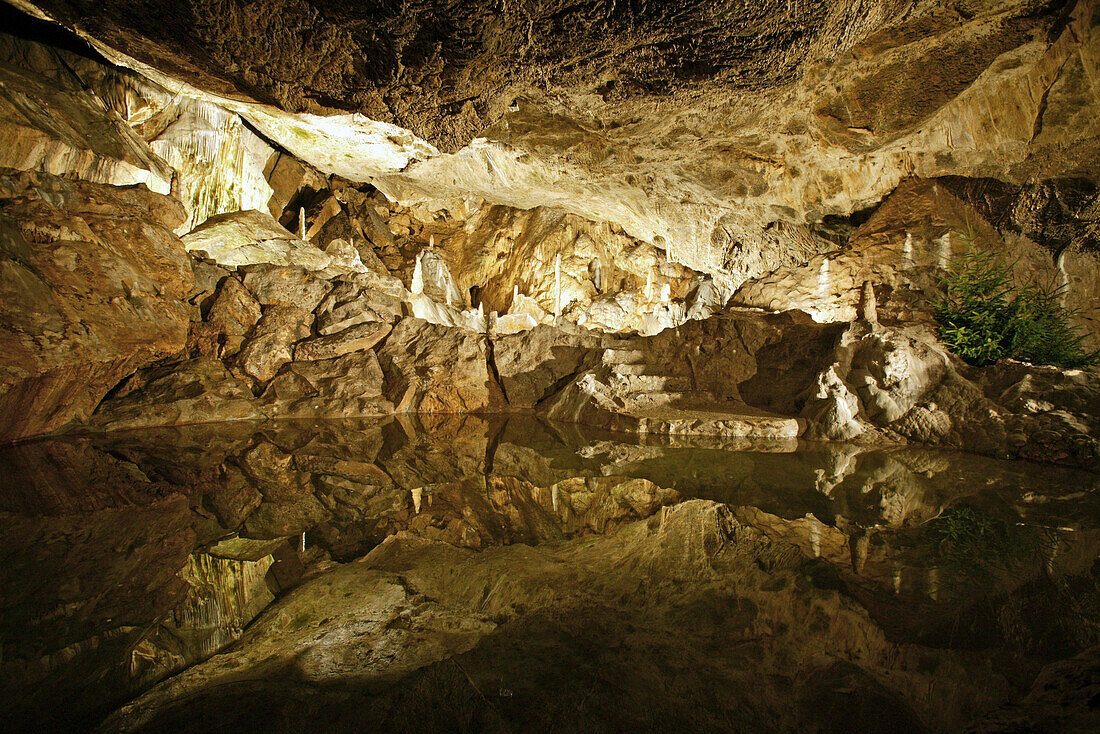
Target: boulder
{"points": [[275, 285], [271, 344], [532, 364], [287, 176], [438, 369], [250, 237], [345, 387], [363, 299], [355, 339], [233, 313], [208, 276], [200, 390]]}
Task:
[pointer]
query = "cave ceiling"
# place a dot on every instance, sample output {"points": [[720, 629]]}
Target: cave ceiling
{"points": [[725, 132]]}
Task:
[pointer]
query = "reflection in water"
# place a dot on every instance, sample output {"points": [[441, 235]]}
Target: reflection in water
{"points": [[130, 556]]}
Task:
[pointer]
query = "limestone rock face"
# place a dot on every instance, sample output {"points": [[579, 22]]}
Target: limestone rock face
{"points": [[354, 339], [531, 365], [289, 286], [93, 288], [271, 344], [736, 154], [904, 249], [608, 280], [363, 299], [233, 314], [436, 369], [347, 386], [53, 123], [902, 382], [738, 374], [197, 391], [249, 238], [107, 124], [832, 411]]}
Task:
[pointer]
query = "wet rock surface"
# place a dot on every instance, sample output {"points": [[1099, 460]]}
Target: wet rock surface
{"points": [[739, 373]]}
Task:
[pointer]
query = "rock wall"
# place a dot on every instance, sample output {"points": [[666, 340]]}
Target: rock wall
{"points": [[53, 124], [93, 285], [905, 248]]}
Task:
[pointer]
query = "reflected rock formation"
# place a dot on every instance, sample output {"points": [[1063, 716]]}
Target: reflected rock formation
{"points": [[549, 366], [167, 543]]}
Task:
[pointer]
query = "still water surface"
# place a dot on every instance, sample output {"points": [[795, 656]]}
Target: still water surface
{"points": [[97, 529]]}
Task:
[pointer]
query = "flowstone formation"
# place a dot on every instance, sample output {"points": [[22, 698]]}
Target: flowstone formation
{"points": [[542, 366]]}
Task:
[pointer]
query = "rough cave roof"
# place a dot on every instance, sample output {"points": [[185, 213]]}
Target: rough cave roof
{"points": [[730, 133]]}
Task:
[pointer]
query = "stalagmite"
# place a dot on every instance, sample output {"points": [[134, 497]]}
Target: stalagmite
{"points": [[933, 583], [815, 536], [823, 279], [417, 498], [302, 542], [868, 309], [907, 250], [858, 545], [557, 288], [416, 287], [302, 223], [945, 251]]}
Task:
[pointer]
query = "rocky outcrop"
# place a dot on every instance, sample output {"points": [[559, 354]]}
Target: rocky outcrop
{"points": [[241, 238], [271, 344], [435, 369], [900, 382], [94, 282], [740, 374], [349, 386], [232, 315], [200, 390], [52, 123], [532, 365], [904, 250]]}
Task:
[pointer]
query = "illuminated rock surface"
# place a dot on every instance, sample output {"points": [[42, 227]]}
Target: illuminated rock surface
{"points": [[93, 287], [542, 366]]}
